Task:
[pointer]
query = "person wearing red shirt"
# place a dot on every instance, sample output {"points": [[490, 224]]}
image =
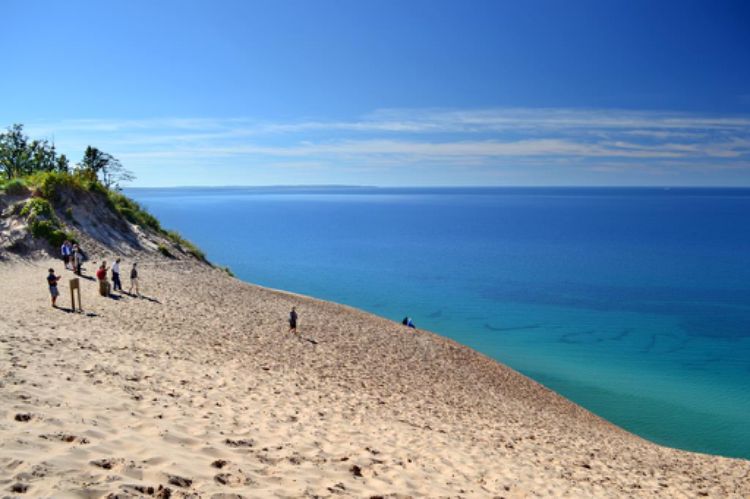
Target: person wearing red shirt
{"points": [[101, 275]]}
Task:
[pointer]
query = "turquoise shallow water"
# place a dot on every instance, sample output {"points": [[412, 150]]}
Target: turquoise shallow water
{"points": [[634, 303]]}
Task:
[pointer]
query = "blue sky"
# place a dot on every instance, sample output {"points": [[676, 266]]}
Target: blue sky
{"points": [[388, 92]]}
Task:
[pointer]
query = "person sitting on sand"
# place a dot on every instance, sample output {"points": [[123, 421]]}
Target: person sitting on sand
{"points": [[116, 284], [52, 282], [408, 322], [101, 275], [134, 279], [293, 321]]}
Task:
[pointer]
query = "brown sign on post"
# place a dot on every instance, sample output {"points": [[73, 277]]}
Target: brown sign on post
{"points": [[75, 287]]}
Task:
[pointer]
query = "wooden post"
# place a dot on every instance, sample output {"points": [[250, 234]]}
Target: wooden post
{"points": [[75, 287]]}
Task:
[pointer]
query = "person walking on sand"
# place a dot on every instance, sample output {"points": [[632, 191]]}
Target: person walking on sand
{"points": [[116, 284], [134, 279], [52, 283], [293, 321], [101, 275]]}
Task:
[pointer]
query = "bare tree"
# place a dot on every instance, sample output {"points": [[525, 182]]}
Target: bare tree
{"points": [[106, 166]]}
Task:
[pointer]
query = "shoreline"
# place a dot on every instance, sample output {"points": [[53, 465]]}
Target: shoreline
{"points": [[578, 380], [208, 364]]}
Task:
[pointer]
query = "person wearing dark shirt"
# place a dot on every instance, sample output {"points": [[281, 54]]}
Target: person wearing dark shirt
{"points": [[52, 283], [408, 322], [134, 279], [293, 321]]}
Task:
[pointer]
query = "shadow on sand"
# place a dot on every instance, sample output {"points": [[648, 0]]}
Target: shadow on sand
{"points": [[148, 298], [68, 310]]}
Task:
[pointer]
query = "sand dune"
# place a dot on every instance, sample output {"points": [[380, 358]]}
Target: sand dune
{"points": [[199, 390]]}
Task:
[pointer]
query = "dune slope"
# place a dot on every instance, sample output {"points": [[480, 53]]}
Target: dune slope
{"points": [[198, 390]]}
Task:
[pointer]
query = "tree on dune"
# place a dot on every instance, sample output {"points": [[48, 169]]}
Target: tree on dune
{"points": [[99, 163], [20, 157]]}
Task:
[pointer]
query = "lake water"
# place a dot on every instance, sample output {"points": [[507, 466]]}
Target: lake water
{"points": [[634, 303]]}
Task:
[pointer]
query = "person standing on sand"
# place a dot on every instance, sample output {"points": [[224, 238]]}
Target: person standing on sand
{"points": [[116, 284], [101, 275], [65, 251], [134, 279], [293, 321], [52, 282], [77, 259]]}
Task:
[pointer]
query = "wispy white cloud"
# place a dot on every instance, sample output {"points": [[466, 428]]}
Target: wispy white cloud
{"points": [[598, 141], [428, 121]]}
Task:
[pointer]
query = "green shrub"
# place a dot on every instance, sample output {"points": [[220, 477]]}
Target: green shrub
{"points": [[43, 224], [165, 251], [49, 231], [16, 187], [133, 212], [50, 183], [37, 207], [186, 245], [228, 271], [88, 181], [95, 186]]}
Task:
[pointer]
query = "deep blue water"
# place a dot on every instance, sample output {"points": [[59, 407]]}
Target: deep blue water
{"points": [[634, 303]]}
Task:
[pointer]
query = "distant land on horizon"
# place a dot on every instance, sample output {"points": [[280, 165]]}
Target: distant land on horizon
{"points": [[342, 187]]}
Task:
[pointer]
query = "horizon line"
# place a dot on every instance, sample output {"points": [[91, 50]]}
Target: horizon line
{"points": [[360, 186]]}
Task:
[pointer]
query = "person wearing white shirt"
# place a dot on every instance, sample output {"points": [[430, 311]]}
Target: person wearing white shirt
{"points": [[116, 284]]}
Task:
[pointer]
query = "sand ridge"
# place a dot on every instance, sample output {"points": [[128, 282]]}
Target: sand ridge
{"points": [[198, 390]]}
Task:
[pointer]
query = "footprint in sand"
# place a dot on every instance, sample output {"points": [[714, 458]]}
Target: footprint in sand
{"points": [[231, 475], [64, 437]]}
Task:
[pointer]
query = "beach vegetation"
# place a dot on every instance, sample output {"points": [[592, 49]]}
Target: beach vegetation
{"points": [[133, 212], [43, 224], [165, 251], [105, 167], [15, 187], [20, 156], [186, 245], [37, 207], [33, 167], [50, 184]]}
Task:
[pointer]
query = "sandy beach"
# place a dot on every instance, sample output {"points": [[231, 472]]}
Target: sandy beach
{"points": [[197, 389]]}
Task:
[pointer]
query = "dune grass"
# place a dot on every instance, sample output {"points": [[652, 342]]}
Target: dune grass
{"points": [[43, 223]]}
